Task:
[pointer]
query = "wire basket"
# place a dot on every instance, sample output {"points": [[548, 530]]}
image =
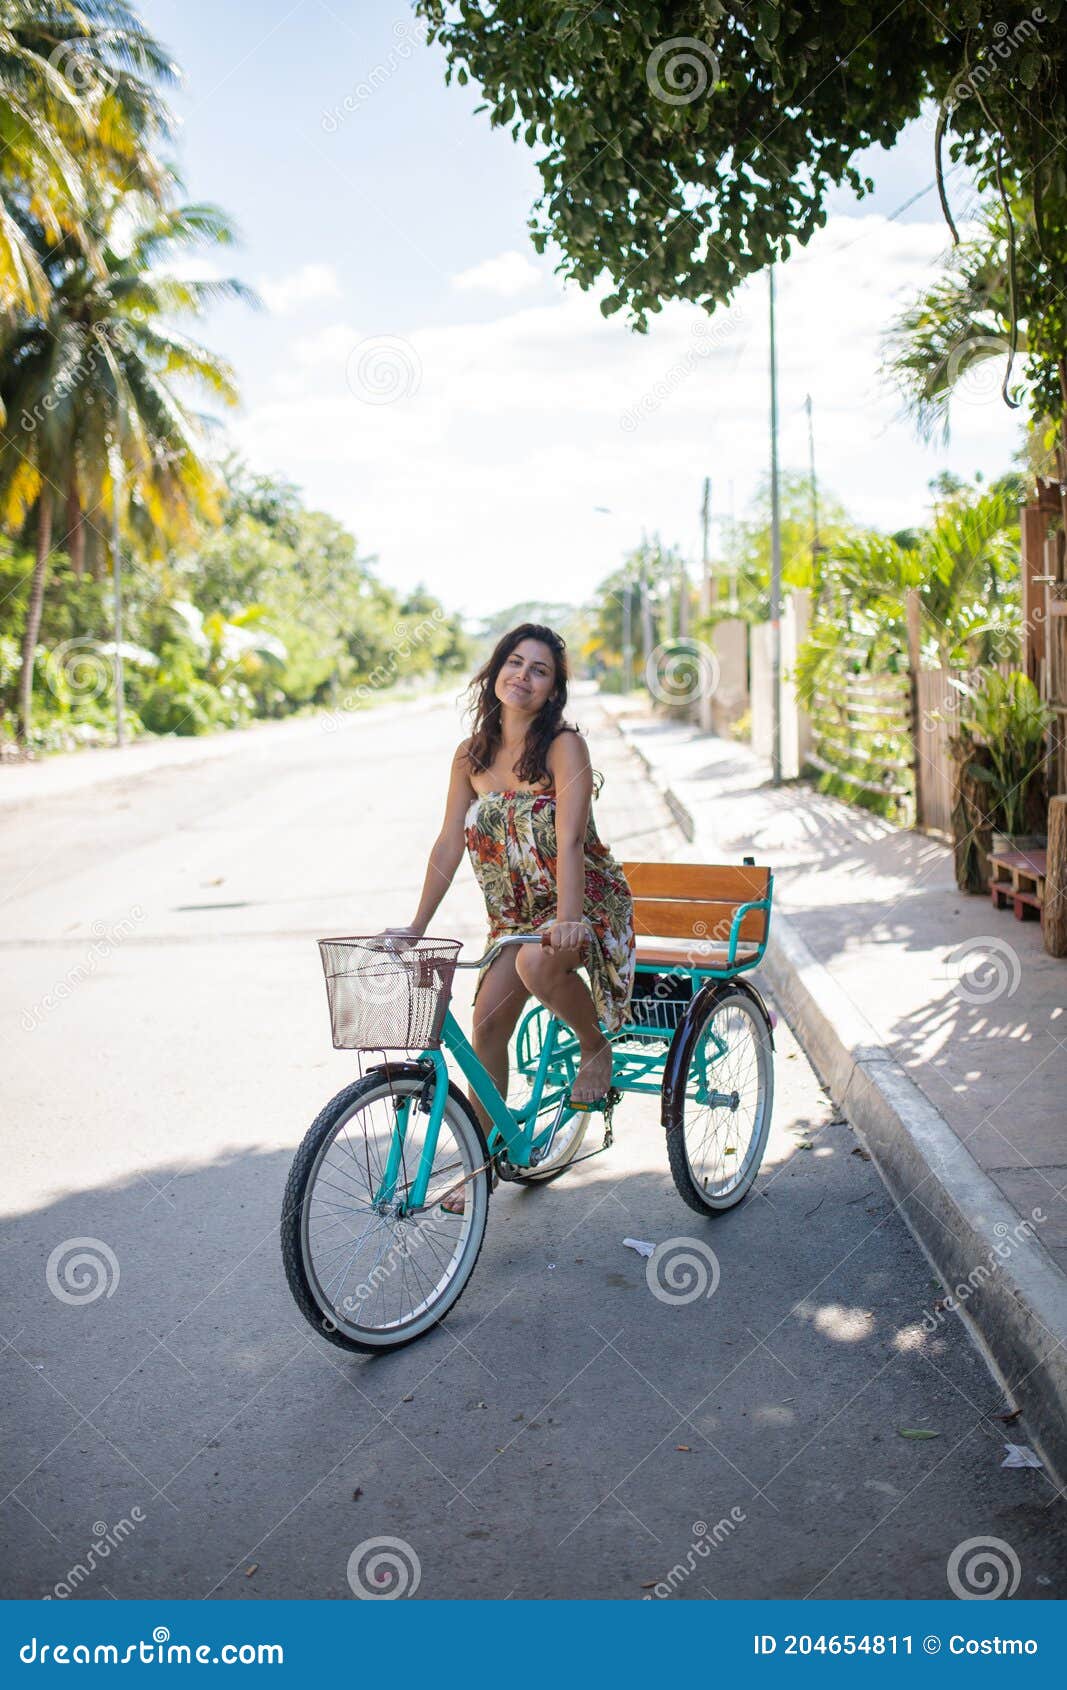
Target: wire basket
{"points": [[388, 994]]}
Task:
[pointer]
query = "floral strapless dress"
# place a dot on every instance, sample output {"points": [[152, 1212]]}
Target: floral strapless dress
{"points": [[511, 842]]}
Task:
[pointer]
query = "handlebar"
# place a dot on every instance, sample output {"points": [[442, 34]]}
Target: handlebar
{"points": [[396, 941], [508, 939]]}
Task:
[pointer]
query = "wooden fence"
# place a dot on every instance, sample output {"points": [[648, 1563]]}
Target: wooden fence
{"points": [[862, 732]]}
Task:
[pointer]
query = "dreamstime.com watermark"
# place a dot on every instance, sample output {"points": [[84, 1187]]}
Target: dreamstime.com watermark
{"points": [[68, 382], [382, 1569], [681, 70], [705, 1539], [409, 33], [108, 939], [682, 670], [159, 1651], [708, 337], [682, 1270], [82, 69], [79, 1270], [1005, 43], [408, 640], [1008, 1237], [984, 969], [983, 1569], [105, 1539], [429, 1229], [382, 369]]}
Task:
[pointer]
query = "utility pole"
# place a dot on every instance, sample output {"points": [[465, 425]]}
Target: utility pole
{"points": [[706, 598], [647, 633], [814, 484], [628, 633], [776, 565], [116, 577]]}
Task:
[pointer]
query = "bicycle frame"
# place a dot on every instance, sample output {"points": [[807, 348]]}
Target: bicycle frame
{"points": [[511, 1130], [514, 1130]]}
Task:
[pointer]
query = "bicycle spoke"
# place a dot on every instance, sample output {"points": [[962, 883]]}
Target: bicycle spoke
{"points": [[404, 1264]]}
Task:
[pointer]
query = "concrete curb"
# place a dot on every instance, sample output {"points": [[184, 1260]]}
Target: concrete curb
{"points": [[1006, 1287]]}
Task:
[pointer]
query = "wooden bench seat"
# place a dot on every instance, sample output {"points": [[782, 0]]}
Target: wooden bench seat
{"points": [[684, 912], [651, 954]]}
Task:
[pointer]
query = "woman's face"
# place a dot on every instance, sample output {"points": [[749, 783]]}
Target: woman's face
{"points": [[527, 677]]}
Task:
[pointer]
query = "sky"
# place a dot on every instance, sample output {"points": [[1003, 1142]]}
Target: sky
{"points": [[421, 373]]}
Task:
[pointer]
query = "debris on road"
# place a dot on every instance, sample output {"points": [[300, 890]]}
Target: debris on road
{"points": [[1020, 1455]]}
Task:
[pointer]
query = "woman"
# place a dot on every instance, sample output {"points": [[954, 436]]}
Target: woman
{"points": [[520, 802]]}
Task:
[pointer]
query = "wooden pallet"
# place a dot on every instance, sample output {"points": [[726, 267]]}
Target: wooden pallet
{"points": [[1018, 882]]}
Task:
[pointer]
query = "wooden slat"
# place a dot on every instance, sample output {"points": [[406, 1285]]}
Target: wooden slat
{"points": [[692, 919], [710, 882], [653, 955]]}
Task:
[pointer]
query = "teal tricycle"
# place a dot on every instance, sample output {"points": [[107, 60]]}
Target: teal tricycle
{"points": [[372, 1258]]}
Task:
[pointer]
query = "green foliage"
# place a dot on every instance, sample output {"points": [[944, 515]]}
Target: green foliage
{"points": [[258, 617], [682, 149], [1005, 714], [964, 570], [965, 567], [180, 702], [648, 577]]}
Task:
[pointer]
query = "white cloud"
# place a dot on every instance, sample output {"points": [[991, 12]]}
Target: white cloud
{"points": [[508, 274], [482, 475], [306, 286]]}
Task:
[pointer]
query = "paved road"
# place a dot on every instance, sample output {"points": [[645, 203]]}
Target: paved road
{"points": [[564, 1434]]}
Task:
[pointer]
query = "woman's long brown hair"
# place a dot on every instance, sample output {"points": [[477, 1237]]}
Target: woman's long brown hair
{"points": [[485, 713]]}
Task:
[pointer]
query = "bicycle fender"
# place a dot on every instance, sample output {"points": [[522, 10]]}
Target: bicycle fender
{"points": [[406, 1069], [676, 1066]]}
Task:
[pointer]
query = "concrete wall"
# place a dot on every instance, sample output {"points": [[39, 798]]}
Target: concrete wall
{"points": [[796, 725]]}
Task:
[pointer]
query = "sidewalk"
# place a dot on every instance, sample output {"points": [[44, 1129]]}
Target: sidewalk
{"points": [[938, 1025]]}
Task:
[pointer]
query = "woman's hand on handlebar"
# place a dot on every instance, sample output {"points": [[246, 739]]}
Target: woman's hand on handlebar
{"points": [[567, 935], [409, 932]]}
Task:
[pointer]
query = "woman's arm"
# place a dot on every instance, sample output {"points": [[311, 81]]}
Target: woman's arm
{"points": [[569, 764], [447, 851]]}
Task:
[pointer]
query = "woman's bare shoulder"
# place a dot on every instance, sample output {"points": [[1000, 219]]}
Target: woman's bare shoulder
{"points": [[568, 750]]}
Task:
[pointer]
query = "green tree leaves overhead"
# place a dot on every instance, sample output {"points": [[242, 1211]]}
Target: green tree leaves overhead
{"points": [[682, 148]]}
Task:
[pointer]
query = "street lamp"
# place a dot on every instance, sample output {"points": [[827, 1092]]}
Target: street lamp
{"points": [[627, 617]]}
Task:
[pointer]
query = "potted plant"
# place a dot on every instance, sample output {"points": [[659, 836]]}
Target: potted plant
{"points": [[972, 826], [1006, 717]]}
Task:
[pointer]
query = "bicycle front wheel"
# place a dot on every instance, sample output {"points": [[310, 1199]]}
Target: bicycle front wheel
{"points": [[718, 1110], [367, 1274]]}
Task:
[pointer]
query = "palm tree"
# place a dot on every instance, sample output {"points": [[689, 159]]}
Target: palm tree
{"points": [[958, 324], [78, 101], [964, 567], [96, 383]]}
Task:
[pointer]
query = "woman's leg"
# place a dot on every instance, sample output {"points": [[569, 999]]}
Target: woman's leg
{"points": [[550, 976], [497, 1005]]}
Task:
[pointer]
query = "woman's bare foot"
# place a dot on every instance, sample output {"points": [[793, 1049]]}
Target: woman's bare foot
{"points": [[594, 1075], [454, 1202]]}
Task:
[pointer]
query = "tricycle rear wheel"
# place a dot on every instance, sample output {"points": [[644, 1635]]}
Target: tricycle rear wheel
{"points": [[717, 1098]]}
